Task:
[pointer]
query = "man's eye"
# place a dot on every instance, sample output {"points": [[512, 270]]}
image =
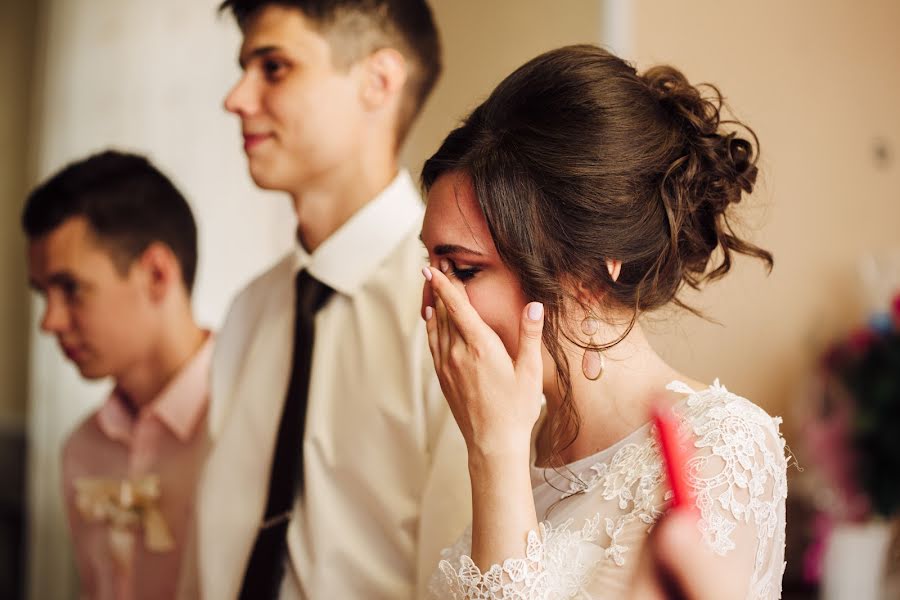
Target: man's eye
{"points": [[70, 289], [272, 68]]}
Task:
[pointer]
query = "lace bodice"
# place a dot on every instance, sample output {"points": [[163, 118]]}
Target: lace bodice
{"points": [[595, 515]]}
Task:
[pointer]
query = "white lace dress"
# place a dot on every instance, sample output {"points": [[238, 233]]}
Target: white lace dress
{"points": [[596, 514]]}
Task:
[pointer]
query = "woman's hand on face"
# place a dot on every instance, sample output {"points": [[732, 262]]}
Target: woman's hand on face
{"points": [[495, 400]]}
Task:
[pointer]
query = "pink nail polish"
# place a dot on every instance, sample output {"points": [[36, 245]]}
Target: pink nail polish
{"points": [[445, 266], [535, 311], [429, 312], [427, 273]]}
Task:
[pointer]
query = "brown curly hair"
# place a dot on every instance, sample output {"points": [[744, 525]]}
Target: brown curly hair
{"points": [[575, 158]]}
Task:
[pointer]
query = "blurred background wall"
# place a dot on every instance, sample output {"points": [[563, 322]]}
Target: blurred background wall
{"points": [[17, 47], [818, 81]]}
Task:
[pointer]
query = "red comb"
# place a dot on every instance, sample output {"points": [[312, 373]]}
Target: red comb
{"points": [[673, 456]]}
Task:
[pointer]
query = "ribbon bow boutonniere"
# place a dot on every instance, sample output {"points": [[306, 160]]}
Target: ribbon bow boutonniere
{"points": [[124, 504]]}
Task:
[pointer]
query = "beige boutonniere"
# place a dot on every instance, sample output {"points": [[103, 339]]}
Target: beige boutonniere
{"points": [[125, 504]]}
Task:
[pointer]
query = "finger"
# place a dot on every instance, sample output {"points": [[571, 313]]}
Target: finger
{"points": [[529, 361], [431, 330], [645, 584], [443, 333], [430, 320], [681, 552], [459, 310]]}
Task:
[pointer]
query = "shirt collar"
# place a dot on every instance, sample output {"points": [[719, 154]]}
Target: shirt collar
{"points": [[179, 406], [347, 258]]}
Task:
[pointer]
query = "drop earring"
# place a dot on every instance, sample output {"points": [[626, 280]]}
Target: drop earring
{"points": [[592, 362]]}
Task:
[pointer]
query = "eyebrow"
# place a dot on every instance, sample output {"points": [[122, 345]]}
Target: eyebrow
{"points": [[256, 53], [60, 278], [447, 249]]}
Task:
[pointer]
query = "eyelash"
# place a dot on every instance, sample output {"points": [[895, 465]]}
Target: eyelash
{"points": [[273, 68], [464, 275], [70, 289]]}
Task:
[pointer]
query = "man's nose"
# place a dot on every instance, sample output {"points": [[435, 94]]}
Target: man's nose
{"points": [[241, 98], [56, 316]]}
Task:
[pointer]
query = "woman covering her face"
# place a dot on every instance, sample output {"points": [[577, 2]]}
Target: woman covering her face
{"points": [[579, 196]]}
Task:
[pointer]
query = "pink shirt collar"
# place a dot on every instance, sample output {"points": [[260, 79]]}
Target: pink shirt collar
{"points": [[179, 406]]}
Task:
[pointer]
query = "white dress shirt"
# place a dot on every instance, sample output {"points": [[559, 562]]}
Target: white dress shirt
{"points": [[386, 483]]}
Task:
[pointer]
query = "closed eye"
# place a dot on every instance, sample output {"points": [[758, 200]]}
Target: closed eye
{"points": [[464, 274]]}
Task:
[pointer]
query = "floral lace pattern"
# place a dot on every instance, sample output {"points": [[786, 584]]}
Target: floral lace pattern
{"points": [[737, 472]]}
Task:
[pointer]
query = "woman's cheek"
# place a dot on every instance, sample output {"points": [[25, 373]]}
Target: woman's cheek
{"points": [[500, 312]]}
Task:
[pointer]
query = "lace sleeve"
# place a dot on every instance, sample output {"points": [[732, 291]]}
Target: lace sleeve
{"points": [[738, 472], [557, 564]]}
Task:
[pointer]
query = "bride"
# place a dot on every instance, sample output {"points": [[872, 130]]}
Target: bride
{"points": [[579, 196]]}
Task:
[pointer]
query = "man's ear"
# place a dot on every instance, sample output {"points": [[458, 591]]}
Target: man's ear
{"points": [[385, 73], [161, 269]]}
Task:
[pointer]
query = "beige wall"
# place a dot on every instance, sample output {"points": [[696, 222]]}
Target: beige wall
{"points": [[17, 21], [820, 84], [485, 41]]}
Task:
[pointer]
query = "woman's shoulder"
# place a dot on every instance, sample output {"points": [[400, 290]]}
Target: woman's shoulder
{"points": [[706, 410], [738, 467]]}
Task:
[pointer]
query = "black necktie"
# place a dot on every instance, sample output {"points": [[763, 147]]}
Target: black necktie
{"points": [[265, 570]]}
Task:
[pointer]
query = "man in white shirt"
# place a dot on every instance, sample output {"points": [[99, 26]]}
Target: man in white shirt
{"points": [[328, 93]]}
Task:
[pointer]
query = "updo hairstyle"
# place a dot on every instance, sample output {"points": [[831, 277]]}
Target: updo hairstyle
{"points": [[575, 158]]}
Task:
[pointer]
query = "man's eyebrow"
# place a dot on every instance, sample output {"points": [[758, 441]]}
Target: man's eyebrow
{"points": [[58, 279], [243, 59]]}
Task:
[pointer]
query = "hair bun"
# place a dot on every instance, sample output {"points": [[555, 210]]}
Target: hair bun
{"points": [[713, 170]]}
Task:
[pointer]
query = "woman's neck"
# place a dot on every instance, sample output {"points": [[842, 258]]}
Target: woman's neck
{"points": [[616, 404]]}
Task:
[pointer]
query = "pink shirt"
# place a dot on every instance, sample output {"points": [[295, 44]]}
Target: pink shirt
{"points": [[129, 538]]}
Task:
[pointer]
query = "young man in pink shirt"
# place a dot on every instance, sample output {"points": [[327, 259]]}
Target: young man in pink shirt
{"points": [[112, 246]]}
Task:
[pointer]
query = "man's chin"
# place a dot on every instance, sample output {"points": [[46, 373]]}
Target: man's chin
{"points": [[92, 372], [267, 177]]}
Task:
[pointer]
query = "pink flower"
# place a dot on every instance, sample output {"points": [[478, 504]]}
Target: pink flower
{"points": [[895, 310], [828, 439], [814, 556]]}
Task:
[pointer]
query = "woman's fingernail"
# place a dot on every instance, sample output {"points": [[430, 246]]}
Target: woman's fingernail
{"points": [[427, 273], [429, 312], [535, 311], [445, 265]]}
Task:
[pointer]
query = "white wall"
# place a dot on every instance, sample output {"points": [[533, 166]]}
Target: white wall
{"points": [[147, 76]]}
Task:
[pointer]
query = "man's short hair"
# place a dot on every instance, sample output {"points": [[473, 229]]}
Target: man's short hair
{"points": [[356, 28], [128, 203]]}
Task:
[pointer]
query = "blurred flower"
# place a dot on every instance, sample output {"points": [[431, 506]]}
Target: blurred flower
{"points": [[814, 556], [895, 311], [854, 435]]}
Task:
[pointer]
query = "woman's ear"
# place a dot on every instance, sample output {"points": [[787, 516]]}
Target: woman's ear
{"points": [[614, 267], [385, 73]]}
